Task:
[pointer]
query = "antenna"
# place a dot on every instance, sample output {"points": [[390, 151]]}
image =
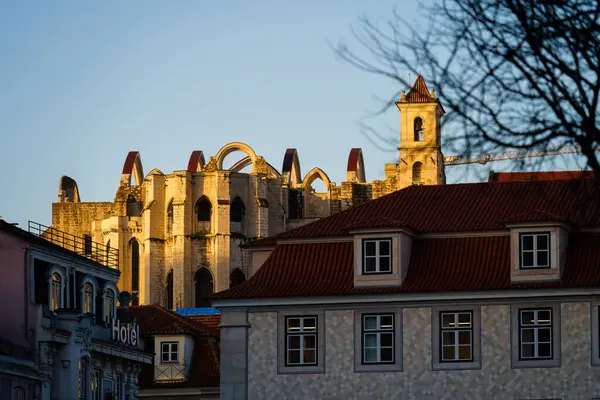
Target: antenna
{"points": [[409, 84]]}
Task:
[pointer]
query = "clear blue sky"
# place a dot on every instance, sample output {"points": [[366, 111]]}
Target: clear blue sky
{"points": [[83, 83]]}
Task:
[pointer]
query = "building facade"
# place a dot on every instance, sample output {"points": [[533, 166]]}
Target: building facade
{"points": [[178, 235], [61, 307], [469, 291]]}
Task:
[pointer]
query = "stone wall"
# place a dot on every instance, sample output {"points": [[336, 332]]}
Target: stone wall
{"points": [[576, 379]]}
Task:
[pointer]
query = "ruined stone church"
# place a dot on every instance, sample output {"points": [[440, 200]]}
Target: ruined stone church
{"points": [[180, 235]]}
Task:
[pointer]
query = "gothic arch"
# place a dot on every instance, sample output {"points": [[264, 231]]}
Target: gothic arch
{"points": [[236, 277], [237, 210], [203, 209], [203, 285], [155, 171], [196, 162], [356, 164], [314, 174], [170, 217], [244, 162], [291, 165], [134, 269], [133, 165], [230, 148], [68, 190]]}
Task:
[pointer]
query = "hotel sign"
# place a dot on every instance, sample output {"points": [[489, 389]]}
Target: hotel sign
{"points": [[126, 334]]}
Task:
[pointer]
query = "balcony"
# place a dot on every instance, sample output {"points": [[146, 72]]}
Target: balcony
{"points": [[165, 373], [83, 246]]}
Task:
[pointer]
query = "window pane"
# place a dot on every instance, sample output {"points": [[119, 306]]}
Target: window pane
{"points": [[544, 350], [370, 264], [527, 335], [386, 339], [464, 320], [542, 258], [370, 340], [448, 338], [370, 247], [448, 353], [370, 322], [370, 355], [527, 317], [542, 242], [174, 346], [527, 259], [464, 352], [310, 342], [310, 356], [165, 347], [387, 322], [294, 342], [464, 337], [527, 241], [448, 321], [310, 324], [384, 264], [544, 335], [544, 317], [387, 355], [293, 324], [384, 248], [294, 357], [527, 350]]}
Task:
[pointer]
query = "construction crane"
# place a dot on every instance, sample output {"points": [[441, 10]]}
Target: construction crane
{"points": [[511, 155]]}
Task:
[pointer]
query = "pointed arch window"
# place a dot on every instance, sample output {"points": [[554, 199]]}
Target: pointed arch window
{"points": [[169, 296], [135, 271], [203, 284], [203, 209], [170, 218], [237, 210], [417, 173], [236, 277], [418, 129]]}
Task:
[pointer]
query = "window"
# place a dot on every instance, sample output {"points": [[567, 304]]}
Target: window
{"points": [[377, 256], [456, 336], [82, 378], [169, 352], [18, 393], [203, 209], [378, 339], [88, 298], [203, 287], [108, 390], [301, 340], [118, 386], [535, 334], [418, 130], [109, 305], [170, 218], [535, 250], [55, 291], [417, 173], [96, 384], [237, 210]]}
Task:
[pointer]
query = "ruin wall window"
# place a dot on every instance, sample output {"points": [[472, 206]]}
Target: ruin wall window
{"points": [[203, 209]]}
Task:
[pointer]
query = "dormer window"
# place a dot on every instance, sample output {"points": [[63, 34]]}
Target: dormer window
{"points": [[377, 256], [169, 352], [534, 250]]}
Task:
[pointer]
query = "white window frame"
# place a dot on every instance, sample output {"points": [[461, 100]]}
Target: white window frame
{"points": [[359, 314], [107, 313], [379, 331], [169, 350], [61, 300], [535, 327], [534, 250], [516, 359], [455, 331], [377, 255], [438, 362], [302, 332], [88, 280]]}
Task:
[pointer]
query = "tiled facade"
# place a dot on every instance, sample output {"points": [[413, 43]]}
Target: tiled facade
{"points": [[497, 379]]}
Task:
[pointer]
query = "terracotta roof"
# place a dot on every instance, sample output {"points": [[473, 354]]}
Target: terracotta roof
{"points": [[204, 371], [419, 92], [539, 176], [463, 207], [436, 265], [156, 320], [212, 320]]}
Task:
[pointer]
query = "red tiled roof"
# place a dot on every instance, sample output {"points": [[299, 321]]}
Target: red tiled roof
{"points": [[419, 92], [539, 176], [156, 320], [212, 320], [436, 265], [463, 207], [204, 371]]}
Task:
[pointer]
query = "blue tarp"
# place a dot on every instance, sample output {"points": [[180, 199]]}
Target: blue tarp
{"points": [[197, 311]]}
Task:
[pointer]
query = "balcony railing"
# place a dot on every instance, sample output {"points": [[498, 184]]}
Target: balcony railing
{"points": [[169, 372], [83, 246]]}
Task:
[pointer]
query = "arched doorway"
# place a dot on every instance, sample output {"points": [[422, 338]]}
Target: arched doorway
{"points": [[203, 284]]}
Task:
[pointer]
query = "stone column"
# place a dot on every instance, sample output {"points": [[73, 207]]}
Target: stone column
{"points": [[234, 354]]}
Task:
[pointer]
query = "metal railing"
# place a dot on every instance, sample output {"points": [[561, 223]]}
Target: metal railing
{"points": [[83, 246], [169, 372]]}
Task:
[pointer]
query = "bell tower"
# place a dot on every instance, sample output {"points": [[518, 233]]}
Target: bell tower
{"points": [[421, 158]]}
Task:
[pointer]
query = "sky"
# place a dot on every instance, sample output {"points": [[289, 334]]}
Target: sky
{"points": [[84, 83]]}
